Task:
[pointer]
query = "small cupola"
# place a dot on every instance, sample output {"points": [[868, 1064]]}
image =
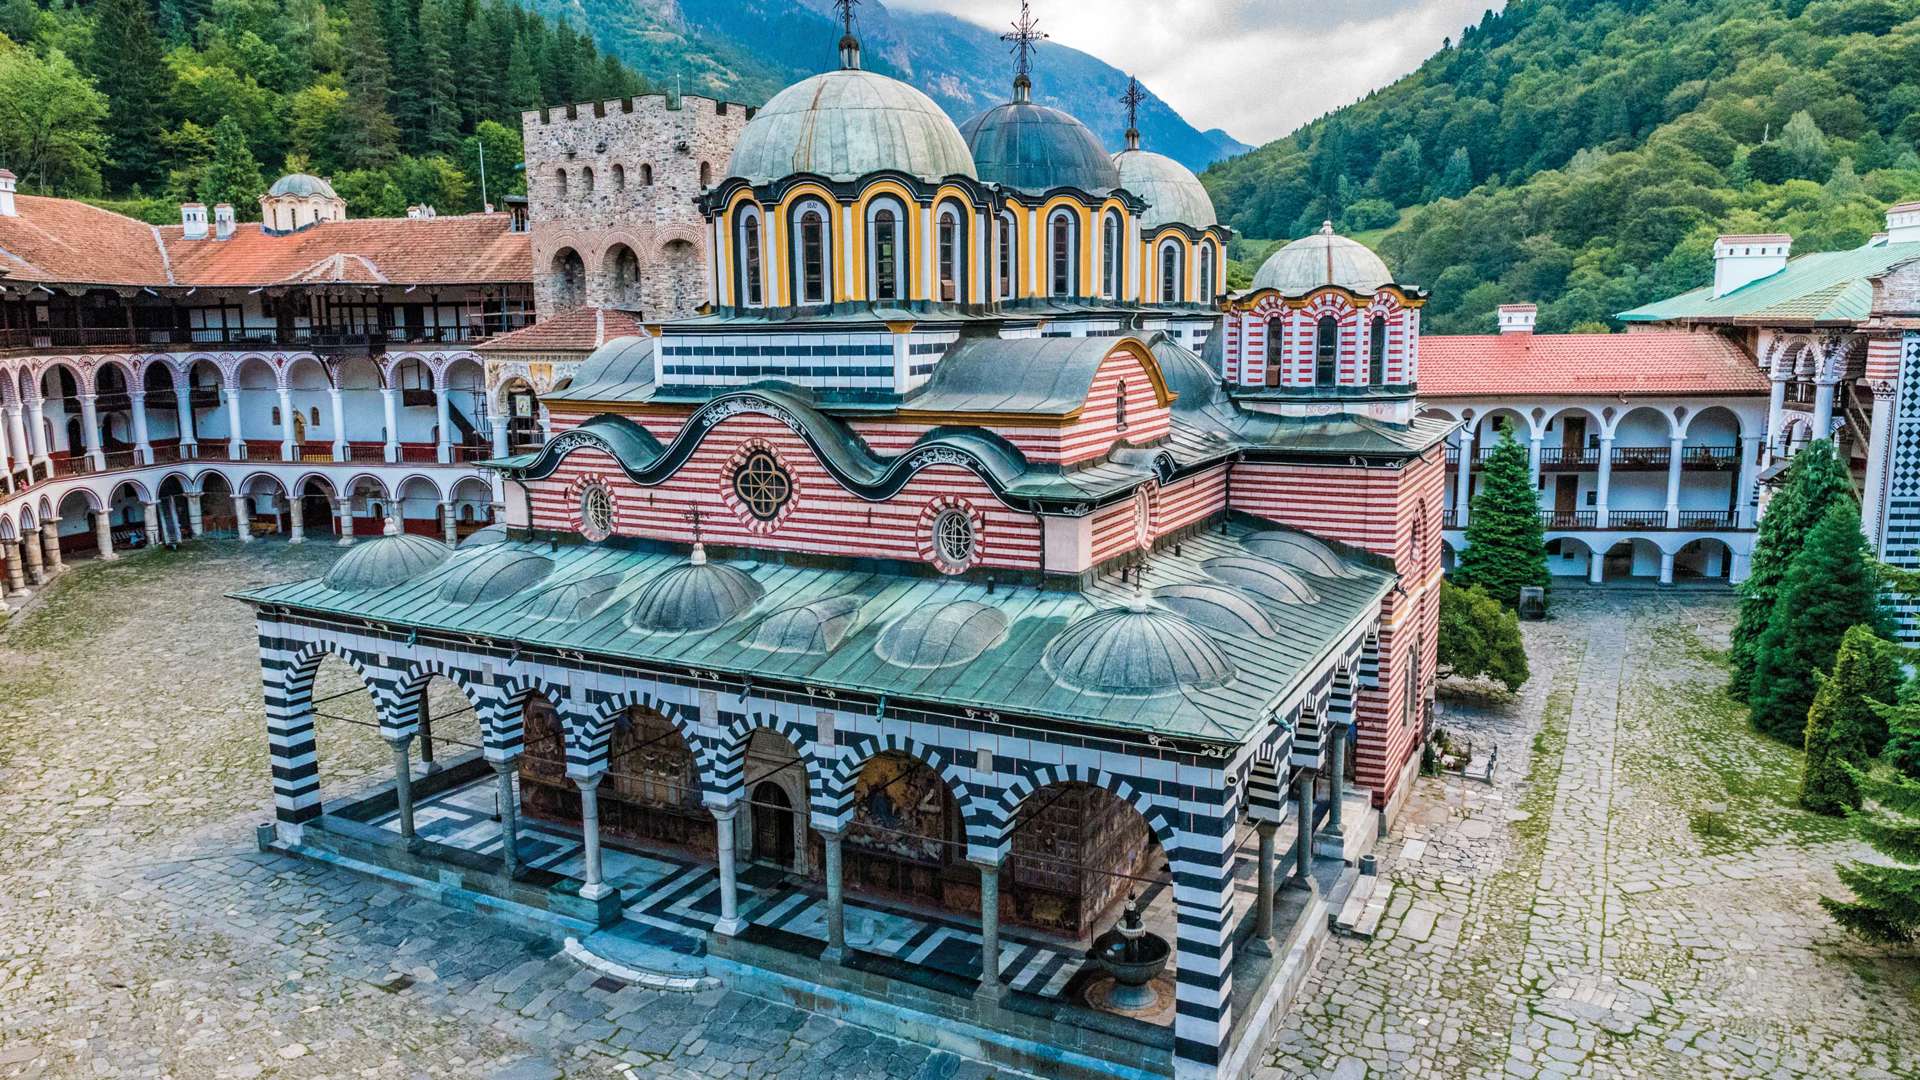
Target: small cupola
{"points": [[1742, 260], [1517, 318], [223, 221], [7, 208], [1903, 223]]}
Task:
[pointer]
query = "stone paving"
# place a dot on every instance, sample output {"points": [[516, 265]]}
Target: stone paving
{"points": [[142, 934], [1585, 915], [1581, 916]]}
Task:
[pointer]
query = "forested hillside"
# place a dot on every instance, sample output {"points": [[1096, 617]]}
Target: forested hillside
{"points": [[143, 104], [1584, 153]]}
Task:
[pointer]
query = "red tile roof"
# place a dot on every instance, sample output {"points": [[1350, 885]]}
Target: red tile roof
{"points": [[1651, 362], [578, 330], [61, 240]]}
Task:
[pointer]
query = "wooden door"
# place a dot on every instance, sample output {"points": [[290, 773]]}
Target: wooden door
{"points": [[1566, 494], [1573, 435], [772, 825]]}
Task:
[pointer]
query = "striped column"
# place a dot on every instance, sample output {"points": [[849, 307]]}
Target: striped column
{"points": [[290, 747], [1203, 951]]}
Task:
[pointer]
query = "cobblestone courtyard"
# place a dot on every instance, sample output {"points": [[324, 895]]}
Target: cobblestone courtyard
{"points": [[1580, 917]]}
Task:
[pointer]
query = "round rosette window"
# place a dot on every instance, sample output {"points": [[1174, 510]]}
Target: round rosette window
{"points": [[762, 486], [953, 540], [596, 512]]}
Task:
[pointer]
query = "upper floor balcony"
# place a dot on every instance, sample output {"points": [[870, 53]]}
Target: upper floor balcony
{"points": [[318, 339]]}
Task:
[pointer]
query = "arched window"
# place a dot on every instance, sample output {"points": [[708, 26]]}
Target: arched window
{"points": [[706, 174], [560, 183], [1110, 256], [1170, 277], [586, 181], [1062, 254], [951, 267], [1276, 352], [1006, 257], [646, 175], [749, 261], [619, 177], [885, 254], [1377, 353], [1326, 352], [812, 230], [1120, 407], [1206, 273]]}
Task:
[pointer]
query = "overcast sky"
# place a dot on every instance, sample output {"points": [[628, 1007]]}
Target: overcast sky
{"points": [[1258, 68]]}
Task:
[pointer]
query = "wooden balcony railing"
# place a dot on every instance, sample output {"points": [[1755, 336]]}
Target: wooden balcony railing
{"points": [[1568, 519]]}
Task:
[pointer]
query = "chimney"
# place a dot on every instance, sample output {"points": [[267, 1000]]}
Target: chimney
{"points": [[1742, 260], [421, 210], [6, 194], [1517, 318], [193, 220], [223, 221], [1903, 223]]}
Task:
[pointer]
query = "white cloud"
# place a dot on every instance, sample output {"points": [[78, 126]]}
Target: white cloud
{"points": [[1258, 68]]}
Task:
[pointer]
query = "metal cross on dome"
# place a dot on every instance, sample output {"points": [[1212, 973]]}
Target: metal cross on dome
{"points": [[845, 8], [1132, 99], [1024, 36]]}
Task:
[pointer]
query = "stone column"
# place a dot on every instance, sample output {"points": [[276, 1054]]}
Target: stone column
{"points": [[1596, 566], [36, 566], [991, 988], [1676, 451], [339, 423], [289, 450], [1873, 501], [150, 514], [500, 437], [90, 431], [236, 440], [730, 923], [50, 535], [1463, 484], [1533, 459], [183, 408], [509, 817], [1751, 447], [17, 435], [403, 782], [1666, 568], [593, 888], [6, 450], [1336, 778], [1303, 854], [1823, 408], [344, 515], [103, 534], [448, 526], [1604, 485], [836, 951], [443, 446], [392, 449], [142, 443], [16, 573], [1776, 413], [296, 523], [243, 517], [1263, 902], [196, 520], [37, 431]]}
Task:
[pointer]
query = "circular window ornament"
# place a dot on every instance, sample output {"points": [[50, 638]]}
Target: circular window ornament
{"points": [[763, 487], [953, 539], [596, 513]]}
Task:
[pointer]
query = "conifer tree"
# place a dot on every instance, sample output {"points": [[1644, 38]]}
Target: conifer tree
{"points": [[439, 47], [1830, 587], [366, 85], [1811, 482], [1842, 721], [1506, 548], [1903, 736], [232, 175], [1886, 903], [129, 65]]}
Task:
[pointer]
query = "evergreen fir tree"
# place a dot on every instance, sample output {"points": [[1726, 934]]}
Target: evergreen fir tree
{"points": [[1812, 481], [1903, 733], [1886, 903], [1831, 587], [366, 85], [1506, 549], [1457, 179], [1842, 721], [440, 44], [129, 65], [523, 76], [232, 176]]}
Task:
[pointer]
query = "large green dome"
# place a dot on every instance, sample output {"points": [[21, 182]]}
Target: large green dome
{"points": [[848, 123], [1034, 148], [1173, 194]]}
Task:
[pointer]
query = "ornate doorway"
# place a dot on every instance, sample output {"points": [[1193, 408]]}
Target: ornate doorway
{"points": [[772, 825]]}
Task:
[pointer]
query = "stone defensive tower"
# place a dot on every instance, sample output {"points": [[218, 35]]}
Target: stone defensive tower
{"points": [[610, 190]]}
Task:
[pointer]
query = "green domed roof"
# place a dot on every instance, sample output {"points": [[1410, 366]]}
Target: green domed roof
{"points": [[848, 123], [1173, 194], [696, 595], [941, 635], [1299, 551], [1136, 652], [814, 629], [1217, 607], [1033, 148], [393, 559], [573, 601], [302, 184], [1270, 581], [1325, 258], [496, 572]]}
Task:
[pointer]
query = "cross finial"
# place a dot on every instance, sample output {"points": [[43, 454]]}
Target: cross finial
{"points": [[693, 518], [1132, 99], [849, 44], [1022, 40]]}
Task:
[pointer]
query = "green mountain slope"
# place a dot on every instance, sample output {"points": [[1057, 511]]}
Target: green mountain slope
{"points": [[749, 49], [1583, 154]]}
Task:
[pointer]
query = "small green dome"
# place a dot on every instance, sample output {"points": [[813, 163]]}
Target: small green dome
{"points": [[1300, 552], [302, 184], [696, 595], [573, 601], [941, 635], [1173, 194], [391, 560], [1136, 652], [814, 629], [1323, 259], [1271, 581], [495, 572]]}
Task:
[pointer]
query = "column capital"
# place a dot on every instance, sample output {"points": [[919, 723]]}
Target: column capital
{"points": [[588, 783], [398, 740]]}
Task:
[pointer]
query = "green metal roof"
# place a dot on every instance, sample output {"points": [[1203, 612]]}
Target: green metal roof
{"points": [[1825, 287], [1034, 376], [1006, 676]]}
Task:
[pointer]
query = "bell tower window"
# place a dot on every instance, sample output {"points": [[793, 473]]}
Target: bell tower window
{"points": [[949, 266], [1276, 350], [1061, 228], [1377, 353], [1170, 291], [1006, 258], [1326, 352], [813, 257], [886, 256], [750, 259], [1110, 257]]}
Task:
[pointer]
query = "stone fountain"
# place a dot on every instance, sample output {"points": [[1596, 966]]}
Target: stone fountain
{"points": [[1133, 957]]}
